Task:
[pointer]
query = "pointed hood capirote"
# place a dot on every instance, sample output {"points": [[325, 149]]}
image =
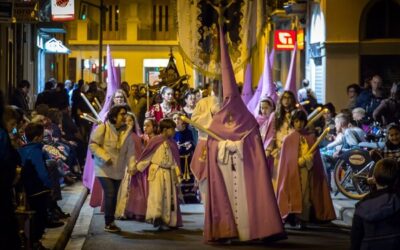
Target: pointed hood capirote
{"points": [[268, 86], [291, 76], [247, 91], [234, 120]]}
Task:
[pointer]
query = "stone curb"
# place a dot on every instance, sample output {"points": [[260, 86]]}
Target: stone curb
{"points": [[68, 228]]}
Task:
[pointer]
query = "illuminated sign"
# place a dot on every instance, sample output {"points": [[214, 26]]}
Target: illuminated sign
{"points": [[284, 39], [39, 42], [55, 46], [62, 10], [117, 63], [300, 39]]}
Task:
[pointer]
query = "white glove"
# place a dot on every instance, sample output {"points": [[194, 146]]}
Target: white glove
{"points": [[306, 161], [231, 146], [215, 109]]}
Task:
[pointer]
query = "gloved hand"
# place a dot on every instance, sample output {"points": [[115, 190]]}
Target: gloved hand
{"points": [[215, 109], [231, 146], [306, 160], [275, 153], [132, 171]]}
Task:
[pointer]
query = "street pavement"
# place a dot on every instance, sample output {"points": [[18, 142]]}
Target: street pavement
{"points": [[137, 235], [88, 223]]}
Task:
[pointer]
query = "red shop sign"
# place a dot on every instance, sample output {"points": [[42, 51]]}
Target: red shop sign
{"points": [[284, 39]]}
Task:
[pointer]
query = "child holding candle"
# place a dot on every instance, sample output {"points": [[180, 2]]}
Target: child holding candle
{"points": [[302, 186], [160, 159]]}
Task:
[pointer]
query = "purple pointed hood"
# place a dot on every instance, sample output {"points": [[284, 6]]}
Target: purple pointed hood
{"points": [[112, 86], [291, 78], [117, 74], [268, 89], [272, 58], [234, 120], [253, 103], [247, 91]]}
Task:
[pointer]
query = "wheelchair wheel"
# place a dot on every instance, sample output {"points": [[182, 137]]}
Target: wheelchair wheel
{"points": [[348, 183]]}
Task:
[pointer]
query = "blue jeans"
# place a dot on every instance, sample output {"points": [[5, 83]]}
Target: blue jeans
{"points": [[110, 189]]}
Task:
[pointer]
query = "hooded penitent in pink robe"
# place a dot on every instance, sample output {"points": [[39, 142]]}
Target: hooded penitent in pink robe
{"points": [[234, 122], [289, 194]]}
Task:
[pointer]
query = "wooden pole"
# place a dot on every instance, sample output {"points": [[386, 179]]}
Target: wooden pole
{"points": [[200, 127]]}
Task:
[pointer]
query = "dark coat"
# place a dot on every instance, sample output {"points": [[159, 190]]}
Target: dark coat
{"points": [[376, 222], [19, 99], [47, 97], [34, 174], [388, 111], [9, 159]]}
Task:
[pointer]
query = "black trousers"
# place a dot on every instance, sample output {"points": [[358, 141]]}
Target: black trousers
{"points": [[110, 189], [39, 204]]}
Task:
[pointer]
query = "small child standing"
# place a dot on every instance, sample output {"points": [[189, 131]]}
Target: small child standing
{"points": [[302, 186], [184, 139], [377, 217], [161, 158], [392, 145], [267, 106], [149, 130]]}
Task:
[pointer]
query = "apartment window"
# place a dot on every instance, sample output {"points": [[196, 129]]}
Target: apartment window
{"points": [[111, 16], [116, 14], [166, 18], [381, 20], [160, 13]]}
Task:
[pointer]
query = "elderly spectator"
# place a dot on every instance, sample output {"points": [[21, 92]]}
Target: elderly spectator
{"points": [[371, 96]]}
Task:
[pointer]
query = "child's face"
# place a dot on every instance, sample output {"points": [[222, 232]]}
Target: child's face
{"points": [[298, 124], [190, 100], [129, 121], [265, 108], [286, 100], [338, 126], [178, 121], [351, 93], [394, 136], [148, 127], [327, 115]]}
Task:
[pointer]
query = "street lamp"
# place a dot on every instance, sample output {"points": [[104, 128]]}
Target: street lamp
{"points": [[102, 9]]}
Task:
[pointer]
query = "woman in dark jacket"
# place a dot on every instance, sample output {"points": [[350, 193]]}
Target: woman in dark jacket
{"points": [[377, 217]]}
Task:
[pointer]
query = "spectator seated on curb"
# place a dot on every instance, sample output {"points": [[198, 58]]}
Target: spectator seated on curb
{"points": [[35, 180], [377, 217]]}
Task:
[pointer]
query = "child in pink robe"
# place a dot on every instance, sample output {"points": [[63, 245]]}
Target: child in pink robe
{"points": [[302, 189]]}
